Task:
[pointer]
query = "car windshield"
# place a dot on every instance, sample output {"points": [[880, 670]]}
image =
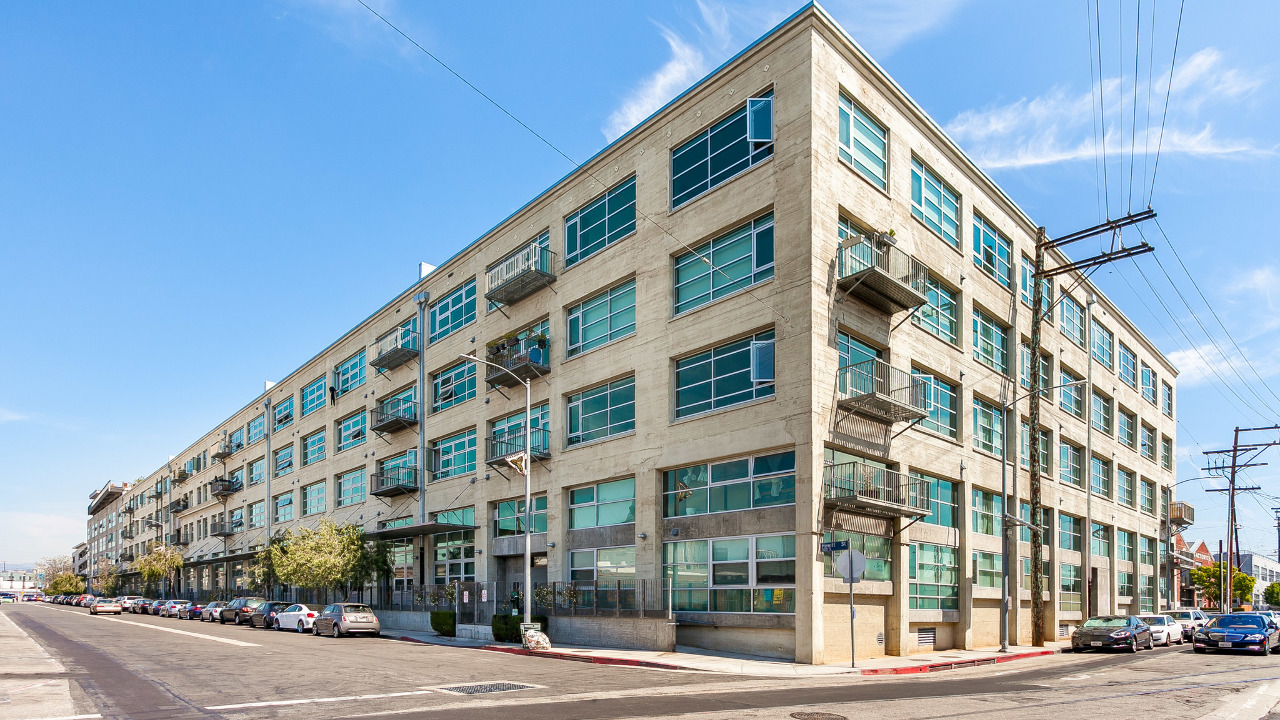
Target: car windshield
{"points": [[1181, 615], [357, 609], [1240, 621], [1106, 622], [1152, 619]]}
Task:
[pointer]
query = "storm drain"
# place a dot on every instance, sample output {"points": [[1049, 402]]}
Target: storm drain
{"points": [[484, 688], [817, 716]]}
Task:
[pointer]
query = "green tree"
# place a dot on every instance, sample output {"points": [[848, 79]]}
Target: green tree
{"points": [[106, 578], [263, 576], [1207, 578], [1272, 594], [328, 557], [162, 562], [65, 584]]}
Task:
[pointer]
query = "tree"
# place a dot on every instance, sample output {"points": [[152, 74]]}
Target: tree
{"points": [[106, 578], [327, 557], [263, 576], [161, 562], [1208, 577], [1272, 595], [65, 584], [52, 567]]}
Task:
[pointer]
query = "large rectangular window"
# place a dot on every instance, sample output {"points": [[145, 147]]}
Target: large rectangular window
{"points": [[1102, 416], [508, 517], [1146, 550], [284, 460], [727, 264], [864, 143], [1148, 384], [991, 252], [601, 222], [453, 311], [602, 411], [1100, 540], [944, 502], [1166, 398], [1046, 449], [508, 432], [988, 512], [1166, 452], [1148, 448], [987, 569], [258, 514], [1128, 366], [257, 471], [1072, 395], [1070, 463], [738, 372], [1071, 588], [935, 577], [283, 414], [1100, 476], [1070, 528], [988, 427], [602, 319], [313, 396], [313, 448], [283, 507], [453, 386], [606, 503], [939, 316], [257, 428], [1124, 584], [1045, 525], [934, 203], [1148, 497], [737, 575], [1125, 546], [1027, 287], [1072, 316], [1127, 428], [351, 488], [351, 431], [1103, 345], [1024, 371], [740, 484], [944, 405], [313, 500], [877, 550], [990, 342], [718, 153], [454, 455], [1127, 487], [350, 374]]}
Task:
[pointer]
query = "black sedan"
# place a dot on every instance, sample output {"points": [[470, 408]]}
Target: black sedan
{"points": [[1125, 632], [1238, 631], [264, 615], [191, 611]]}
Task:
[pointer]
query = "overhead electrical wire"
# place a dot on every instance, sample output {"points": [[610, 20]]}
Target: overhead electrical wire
{"points": [[1102, 105], [1093, 106], [1173, 65], [1133, 125]]}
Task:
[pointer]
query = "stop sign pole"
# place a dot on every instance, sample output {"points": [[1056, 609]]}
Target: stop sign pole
{"points": [[851, 564]]}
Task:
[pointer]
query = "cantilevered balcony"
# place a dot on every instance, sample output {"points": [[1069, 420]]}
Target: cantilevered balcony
{"points": [[181, 475], [179, 538], [221, 487], [865, 488], [393, 415], [178, 505], [881, 274], [1182, 514], [394, 481], [395, 349], [500, 447], [157, 492], [221, 529], [128, 509], [527, 359], [876, 389], [127, 534], [223, 451], [521, 274], [125, 557]]}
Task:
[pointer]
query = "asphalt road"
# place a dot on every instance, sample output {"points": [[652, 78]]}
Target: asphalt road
{"points": [[147, 667]]}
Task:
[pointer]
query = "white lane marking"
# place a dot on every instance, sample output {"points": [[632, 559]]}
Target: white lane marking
{"points": [[94, 716], [229, 641], [306, 701], [1249, 709]]}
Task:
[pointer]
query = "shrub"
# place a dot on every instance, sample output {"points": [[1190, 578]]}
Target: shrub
{"points": [[506, 628], [444, 622]]}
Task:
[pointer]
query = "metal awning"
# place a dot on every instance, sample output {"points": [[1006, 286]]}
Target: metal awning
{"points": [[408, 531]]}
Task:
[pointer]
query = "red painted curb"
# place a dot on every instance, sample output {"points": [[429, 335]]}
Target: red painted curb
{"points": [[595, 660], [976, 662]]}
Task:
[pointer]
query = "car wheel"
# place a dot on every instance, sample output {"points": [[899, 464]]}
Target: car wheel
{"points": [[1133, 646], [237, 621], [1168, 640], [337, 631], [301, 628], [277, 627], [222, 620], [315, 630], [1151, 642]]}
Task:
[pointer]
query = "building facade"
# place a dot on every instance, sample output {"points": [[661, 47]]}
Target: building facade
{"points": [[784, 309], [1263, 570]]}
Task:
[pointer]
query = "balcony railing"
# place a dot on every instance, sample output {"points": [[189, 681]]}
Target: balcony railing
{"points": [[394, 481], [126, 557], [178, 505], [157, 492], [179, 538], [221, 529], [524, 272], [224, 451], [395, 349], [181, 475], [128, 509], [393, 415], [127, 534], [1182, 513], [875, 388], [881, 274], [864, 487], [221, 487], [499, 448], [527, 359]]}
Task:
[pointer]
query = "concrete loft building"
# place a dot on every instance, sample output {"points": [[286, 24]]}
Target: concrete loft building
{"points": [[784, 308]]}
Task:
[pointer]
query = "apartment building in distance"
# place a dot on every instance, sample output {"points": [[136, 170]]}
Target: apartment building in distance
{"points": [[786, 308]]}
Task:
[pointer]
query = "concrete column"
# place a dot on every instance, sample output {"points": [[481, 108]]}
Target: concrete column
{"points": [[809, 578], [964, 628], [897, 631]]}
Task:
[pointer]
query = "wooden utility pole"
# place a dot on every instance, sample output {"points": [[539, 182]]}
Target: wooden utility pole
{"points": [[1231, 557]]}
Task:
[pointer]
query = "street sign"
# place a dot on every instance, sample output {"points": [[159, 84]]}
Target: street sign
{"points": [[851, 564], [827, 547]]}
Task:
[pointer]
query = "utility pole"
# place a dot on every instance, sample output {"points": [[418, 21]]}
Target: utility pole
{"points": [[1038, 314], [1277, 512], [1238, 462]]}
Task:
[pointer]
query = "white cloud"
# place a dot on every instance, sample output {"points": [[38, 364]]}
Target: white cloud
{"points": [[1197, 365], [883, 26], [1060, 126], [10, 416], [685, 67], [350, 23]]}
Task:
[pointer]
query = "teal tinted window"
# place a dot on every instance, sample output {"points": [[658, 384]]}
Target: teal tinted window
{"points": [[602, 319], [741, 484], [990, 342], [257, 429], [714, 156], [283, 414], [602, 411], [991, 251], [722, 376], [453, 386], [944, 504], [944, 408], [934, 203], [938, 316], [607, 503], [864, 143], [601, 223], [935, 577], [351, 488], [725, 265], [988, 427], [350, 374], [454, 455], [351, 431], [313, 448], [313, 396], [453, 311]]}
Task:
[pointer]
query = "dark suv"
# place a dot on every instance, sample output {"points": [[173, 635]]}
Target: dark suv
{"points": [[239, 610], [264, 616]]}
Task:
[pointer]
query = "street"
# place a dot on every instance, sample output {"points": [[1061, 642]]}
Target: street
{"points": [[144, 667]]}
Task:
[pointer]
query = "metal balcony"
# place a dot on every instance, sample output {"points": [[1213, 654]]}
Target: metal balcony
{"points": [[499, 448], [126, 533], [395, 349], [876, 389], [881, 275], [528, 359], [126, 557], [223, 451], [178, 505], [221, 529], [221, 487], [865, 488], [1182, 514], [521, 274], [178, 538], [394, 481], [157, 492], [128, 509], [181, 475], [394, 415]]}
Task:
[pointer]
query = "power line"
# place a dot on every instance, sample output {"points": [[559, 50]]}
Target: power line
{"points": [[1097, 146], [1168, 91], [1102, 104], [1146, 129], [1133, 125]]}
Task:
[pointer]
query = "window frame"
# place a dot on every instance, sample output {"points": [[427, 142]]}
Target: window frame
{"points": [[851, 144], [703, 259], [606, 297], [992, 251], [720, 356], [353, 430], [757, 152], [687, 484], [595, 503], [462, 373], [947, 196], [460, 445], [576, 401], [460, 302]]}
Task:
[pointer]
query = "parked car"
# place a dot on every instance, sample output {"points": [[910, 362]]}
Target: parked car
{"points": [[154, 607], [1238, 631], [239, 610], [8, 599], [139, 606], [211, 610], [300, 617], [341, 619], [264, 616], [190, 611], [1112, 631], [1164, 629], [105, 605], [85, 600], [127, 601], [170, 608], [1191, 620]]}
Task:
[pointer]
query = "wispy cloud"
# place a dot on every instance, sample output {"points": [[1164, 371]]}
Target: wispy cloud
{"points": [[685, 67], [349, 23], [1059, 126], [884, 26], [1204, 363], [10, 416]]}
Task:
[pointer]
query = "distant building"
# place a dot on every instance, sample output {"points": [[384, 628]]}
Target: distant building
{"points": [[1264, 571], [19, 580]]}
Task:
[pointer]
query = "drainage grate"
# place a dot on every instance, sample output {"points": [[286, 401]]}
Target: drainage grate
{"points": [[484, 688], [817, 716]]}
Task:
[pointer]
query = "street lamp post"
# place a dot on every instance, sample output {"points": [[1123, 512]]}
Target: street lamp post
{"points": [[1009, 521], [527, 457]]}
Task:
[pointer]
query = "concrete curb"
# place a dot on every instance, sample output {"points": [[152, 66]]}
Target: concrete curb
{"points": [[594, 660], [976, 662]]}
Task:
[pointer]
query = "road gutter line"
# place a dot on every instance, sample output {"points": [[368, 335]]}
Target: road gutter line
{"points": [[305, 701]]}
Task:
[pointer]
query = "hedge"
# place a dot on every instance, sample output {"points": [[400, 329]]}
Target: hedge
{"points": [[506, 628], [444, 622]]}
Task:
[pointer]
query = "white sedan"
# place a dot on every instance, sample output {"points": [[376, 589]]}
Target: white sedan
{"points": [[105, 605], [298, 617], [1164, 629]]}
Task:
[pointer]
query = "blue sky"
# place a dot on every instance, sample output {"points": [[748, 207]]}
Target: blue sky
{"points": [[196, 198]]}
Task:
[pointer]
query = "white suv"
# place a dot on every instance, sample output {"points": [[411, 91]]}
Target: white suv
{"points": [[1191, 620]]}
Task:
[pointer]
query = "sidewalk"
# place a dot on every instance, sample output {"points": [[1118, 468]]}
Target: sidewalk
{"points": [[32, 683], [695, 659]]}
